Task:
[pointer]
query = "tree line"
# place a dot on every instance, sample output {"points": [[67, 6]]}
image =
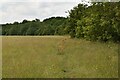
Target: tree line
{"points": [[50, 26], [98, 21]]}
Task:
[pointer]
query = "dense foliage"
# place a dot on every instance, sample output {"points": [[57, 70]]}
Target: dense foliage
{"points": [[100, 21], [50, 26]]}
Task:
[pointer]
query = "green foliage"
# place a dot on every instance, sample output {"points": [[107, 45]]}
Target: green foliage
{"points": [[100, 21], [50, 26]]}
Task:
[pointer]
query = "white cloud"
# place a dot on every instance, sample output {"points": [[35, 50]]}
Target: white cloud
{"points": [[14, 10], [43, 0]]}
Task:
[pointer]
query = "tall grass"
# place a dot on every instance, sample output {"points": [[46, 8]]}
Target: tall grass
{"points": [[37, 57]]}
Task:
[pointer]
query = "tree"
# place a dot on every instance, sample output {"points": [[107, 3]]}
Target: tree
{"points": [[99, 21], [24, 21]]}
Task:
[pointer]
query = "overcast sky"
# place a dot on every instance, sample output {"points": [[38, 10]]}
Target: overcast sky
{"points": [[18, 10], [11, 11]]}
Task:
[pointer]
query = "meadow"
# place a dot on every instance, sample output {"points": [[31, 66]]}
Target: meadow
{"points": [[57, 57]]}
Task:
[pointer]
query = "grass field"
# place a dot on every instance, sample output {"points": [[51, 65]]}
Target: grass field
{"points": [[58, 57]]}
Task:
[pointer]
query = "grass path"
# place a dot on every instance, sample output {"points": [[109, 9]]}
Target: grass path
{"points": [[41, 57]]}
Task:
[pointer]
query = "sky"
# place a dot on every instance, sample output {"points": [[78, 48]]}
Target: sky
{"points": [[18, 10]]}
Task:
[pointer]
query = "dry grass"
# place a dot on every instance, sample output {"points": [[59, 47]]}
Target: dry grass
{"points": [[37, 57]]}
